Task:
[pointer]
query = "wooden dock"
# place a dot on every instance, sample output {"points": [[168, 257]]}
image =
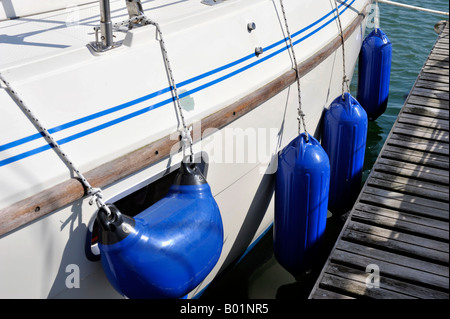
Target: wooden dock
{"points": [[395, 242]]}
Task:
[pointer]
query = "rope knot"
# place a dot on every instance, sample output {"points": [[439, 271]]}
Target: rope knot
{"points": [[186, 141], [97, 195], [345, 79], [186, 138]]}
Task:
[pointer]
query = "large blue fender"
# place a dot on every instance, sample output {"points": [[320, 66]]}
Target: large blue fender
{"points": [[169, 248], [344, 140], [301, 200]]}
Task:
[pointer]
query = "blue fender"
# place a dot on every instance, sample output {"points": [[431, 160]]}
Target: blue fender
{"points": [[301, 200], [344, 140], [168, 249], [374, 73]]}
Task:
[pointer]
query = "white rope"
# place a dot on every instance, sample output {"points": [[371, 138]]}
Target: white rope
{"points": [[301, 115], [186, 140], [345, 80], [94, 192], [377, 17], [397, 4]]}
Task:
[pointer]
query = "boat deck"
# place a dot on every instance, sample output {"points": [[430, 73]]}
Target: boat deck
{"points": [[399, 226]]}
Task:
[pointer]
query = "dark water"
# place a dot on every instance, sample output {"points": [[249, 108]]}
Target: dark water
{"points": [[258, 275]]}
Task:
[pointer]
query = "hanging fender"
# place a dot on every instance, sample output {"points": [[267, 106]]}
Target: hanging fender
{"points": [[344, 140], [374, 72], [301, 200], [168, 249]]}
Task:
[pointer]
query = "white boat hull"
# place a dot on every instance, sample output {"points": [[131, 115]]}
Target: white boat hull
{"points": [[44, 257]]}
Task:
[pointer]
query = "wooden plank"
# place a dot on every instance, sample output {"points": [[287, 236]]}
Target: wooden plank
{"points": [[408, 199], [439, 57], [437, 62], [435, 70], [430, 92], [428, 102], [384, 212], [386, 283], [432, 85], [415, 127], [410, 173], [326, 294], [419, 144], [434, 77], [394, 238], [426, 111], [404, 184], [404, 273], [440, 48], [411, 224], [440, 54], [436, 94], [442, 175], [418, 153], [417, 122], [393, 259], [410, 208], [416, 171], [442, 136], [358, 288], [409, 188], [423, 121], [397, 242], [440, 51], [416, 157], [391, 264], [441, 45]]}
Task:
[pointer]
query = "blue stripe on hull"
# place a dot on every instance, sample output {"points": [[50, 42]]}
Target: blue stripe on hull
{"points": [[160, 92]]}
